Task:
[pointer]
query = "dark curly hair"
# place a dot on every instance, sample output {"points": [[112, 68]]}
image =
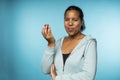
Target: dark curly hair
{"points": [[81, 15]]}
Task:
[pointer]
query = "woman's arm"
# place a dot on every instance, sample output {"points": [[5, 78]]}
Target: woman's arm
{"points": [[49, 52], [47, 59]]}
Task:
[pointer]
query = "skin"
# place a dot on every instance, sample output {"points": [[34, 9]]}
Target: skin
{"points": [[72, 23], [47, 34]]}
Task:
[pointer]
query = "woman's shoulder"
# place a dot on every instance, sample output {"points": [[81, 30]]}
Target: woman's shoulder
{"points": [[90, 37]]}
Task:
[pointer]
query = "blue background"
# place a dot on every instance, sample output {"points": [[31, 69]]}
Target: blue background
{"points": [[22, 45]]}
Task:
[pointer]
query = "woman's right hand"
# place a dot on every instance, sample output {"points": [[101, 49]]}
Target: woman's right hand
{"points": [[47, 34]]}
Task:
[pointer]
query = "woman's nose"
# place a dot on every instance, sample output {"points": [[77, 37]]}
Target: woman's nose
{"points": [[70, 23]]}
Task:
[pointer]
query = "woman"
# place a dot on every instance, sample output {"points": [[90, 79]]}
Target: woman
{"points": [[73, 57]]}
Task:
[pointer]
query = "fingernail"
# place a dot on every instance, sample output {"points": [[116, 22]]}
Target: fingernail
{"points": [[46, 24]]}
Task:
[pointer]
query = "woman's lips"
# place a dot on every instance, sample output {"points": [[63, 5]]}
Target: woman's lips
{"points": [[70, 29]]}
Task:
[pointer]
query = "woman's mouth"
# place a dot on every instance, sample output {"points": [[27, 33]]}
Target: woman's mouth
{"points": [[70, 29]]}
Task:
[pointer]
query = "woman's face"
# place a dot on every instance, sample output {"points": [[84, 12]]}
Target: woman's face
{"points": [[72, 22]]}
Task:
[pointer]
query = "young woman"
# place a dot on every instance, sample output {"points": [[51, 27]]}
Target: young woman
{"points": [[73, 57]]}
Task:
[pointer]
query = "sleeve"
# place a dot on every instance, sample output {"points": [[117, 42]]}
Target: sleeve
{"points": [[89, 65], [47, 60]]}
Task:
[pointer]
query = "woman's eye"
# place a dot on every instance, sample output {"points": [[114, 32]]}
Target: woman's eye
{"points": [[71, 19], [66, 19], [75, 20]]}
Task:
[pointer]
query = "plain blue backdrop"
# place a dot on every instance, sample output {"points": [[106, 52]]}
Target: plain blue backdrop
{"points": [[22, 44]]}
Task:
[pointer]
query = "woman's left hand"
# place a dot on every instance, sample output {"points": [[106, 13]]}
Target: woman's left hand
{"points": [[53, 72]]}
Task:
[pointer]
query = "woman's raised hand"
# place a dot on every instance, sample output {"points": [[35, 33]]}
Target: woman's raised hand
{"points": [[47, 34]]}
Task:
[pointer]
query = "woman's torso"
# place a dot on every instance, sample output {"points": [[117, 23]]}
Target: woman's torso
{"points": [[74, 62]]}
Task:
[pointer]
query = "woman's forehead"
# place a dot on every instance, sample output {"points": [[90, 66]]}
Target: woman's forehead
{"points": [[72, 13]]}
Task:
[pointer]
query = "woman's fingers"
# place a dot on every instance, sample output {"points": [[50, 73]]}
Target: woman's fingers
{"points": [[52, 68], [47, 34], [44, 30], [53, 72], [49, 30]]}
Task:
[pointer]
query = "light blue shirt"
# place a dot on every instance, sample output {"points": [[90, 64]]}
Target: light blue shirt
{"points": [[80, 65]]}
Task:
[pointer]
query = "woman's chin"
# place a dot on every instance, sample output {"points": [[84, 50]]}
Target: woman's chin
{"points": [[71, 35]]}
